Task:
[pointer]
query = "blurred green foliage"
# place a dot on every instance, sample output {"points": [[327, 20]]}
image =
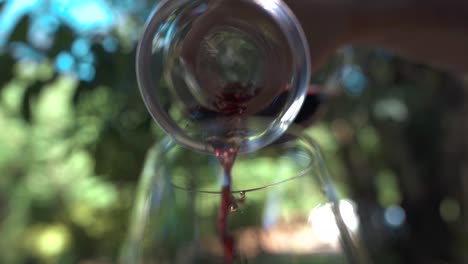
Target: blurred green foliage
{"points": [[70, 154]]}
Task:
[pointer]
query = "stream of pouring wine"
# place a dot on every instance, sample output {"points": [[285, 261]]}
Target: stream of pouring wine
{"points": [[228, 203]]}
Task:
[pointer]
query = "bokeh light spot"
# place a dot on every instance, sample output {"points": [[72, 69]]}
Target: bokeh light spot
{"points": [[52, 240], [81, 47], [450, 210], [349, 214], [86, 72], [21, 51], [391, 108], [388, 189], [354, 81], [395, 216], [88, 16], [110, 44], [64, 62]]}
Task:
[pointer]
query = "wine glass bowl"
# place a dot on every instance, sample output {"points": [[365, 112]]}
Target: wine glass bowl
{"points": [[283, 201], [210, 70]]}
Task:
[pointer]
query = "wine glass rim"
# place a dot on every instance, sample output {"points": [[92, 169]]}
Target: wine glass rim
{"points": [[299, 175], [295, 136]]}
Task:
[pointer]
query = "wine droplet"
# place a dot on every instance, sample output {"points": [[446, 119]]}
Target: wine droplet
{"points": [[241, 199], [234, 207]]}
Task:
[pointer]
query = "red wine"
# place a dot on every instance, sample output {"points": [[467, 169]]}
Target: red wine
{"points": [[223, 220], [228, 203], [236, 99], [232, 104]]}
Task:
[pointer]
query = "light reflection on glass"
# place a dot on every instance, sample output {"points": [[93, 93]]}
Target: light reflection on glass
{"points": [[322, 221]]}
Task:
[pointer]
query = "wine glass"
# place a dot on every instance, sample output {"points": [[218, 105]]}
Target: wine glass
{"points": [[210, 71], [286, 208]]}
